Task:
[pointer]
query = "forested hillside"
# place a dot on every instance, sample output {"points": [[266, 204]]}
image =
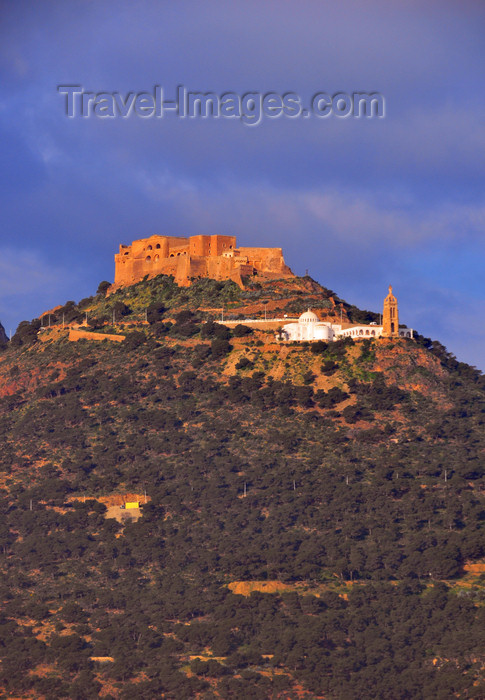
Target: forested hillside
{"points": [[343, 483]]}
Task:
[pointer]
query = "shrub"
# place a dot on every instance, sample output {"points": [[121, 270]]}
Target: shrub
{"points": [[155, 311], [103, 287], [241, 330], [319, 347], [220, 347], [26, 333], [212, 329], [134, 340], [121, 309], [201, 353], [354, 413], [210, 668], [161, 329], [244, 363], [186, 324], [329, 367], [72, 612], [332, 398], [309, 377]]}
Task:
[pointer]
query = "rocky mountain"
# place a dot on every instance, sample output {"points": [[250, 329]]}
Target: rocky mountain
{"points": [[200, 511]]}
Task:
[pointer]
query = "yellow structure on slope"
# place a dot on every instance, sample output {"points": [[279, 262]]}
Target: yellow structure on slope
{"points": [[390, 316], [132, 504]]}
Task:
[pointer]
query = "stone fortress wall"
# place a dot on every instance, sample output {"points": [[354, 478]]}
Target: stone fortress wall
{"points": [[196, 257]]}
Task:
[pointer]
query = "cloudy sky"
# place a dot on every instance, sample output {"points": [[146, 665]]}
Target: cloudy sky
{"points": [[360, 203]]}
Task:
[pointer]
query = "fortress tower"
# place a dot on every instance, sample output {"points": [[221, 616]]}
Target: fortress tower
{"points": [[194, 257], [390, 317]]}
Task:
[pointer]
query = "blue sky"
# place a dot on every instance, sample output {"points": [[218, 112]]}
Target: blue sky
{"points": [[360, 203]]}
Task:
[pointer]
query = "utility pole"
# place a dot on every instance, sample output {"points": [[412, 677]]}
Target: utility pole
{"points": [[113, 317], [146, 315], [222, 314], [446, 475], [265, 303], [63, 320], [245, 491]]}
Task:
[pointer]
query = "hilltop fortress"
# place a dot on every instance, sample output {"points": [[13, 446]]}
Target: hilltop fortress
{"points": [[195, 257]]}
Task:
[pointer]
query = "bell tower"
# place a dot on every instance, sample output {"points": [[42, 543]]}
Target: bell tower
{"points": [[390, 317]]}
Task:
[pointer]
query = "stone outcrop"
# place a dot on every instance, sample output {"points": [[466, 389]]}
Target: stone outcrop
{"points": [[195, 257]]}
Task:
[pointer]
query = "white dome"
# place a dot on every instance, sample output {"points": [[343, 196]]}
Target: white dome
{"points": [[308, 317]]}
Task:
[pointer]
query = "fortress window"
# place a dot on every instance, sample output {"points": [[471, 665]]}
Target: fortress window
{"points": [[171, 255], [157, 257], [158, 245], [178, 254], [148, 258], [149, 247]]}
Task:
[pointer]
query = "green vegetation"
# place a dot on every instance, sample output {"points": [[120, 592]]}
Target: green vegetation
{"points": [[359, 489]]}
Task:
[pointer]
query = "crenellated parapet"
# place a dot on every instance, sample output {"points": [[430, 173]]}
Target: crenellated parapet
{"points": [[195, 257]]}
